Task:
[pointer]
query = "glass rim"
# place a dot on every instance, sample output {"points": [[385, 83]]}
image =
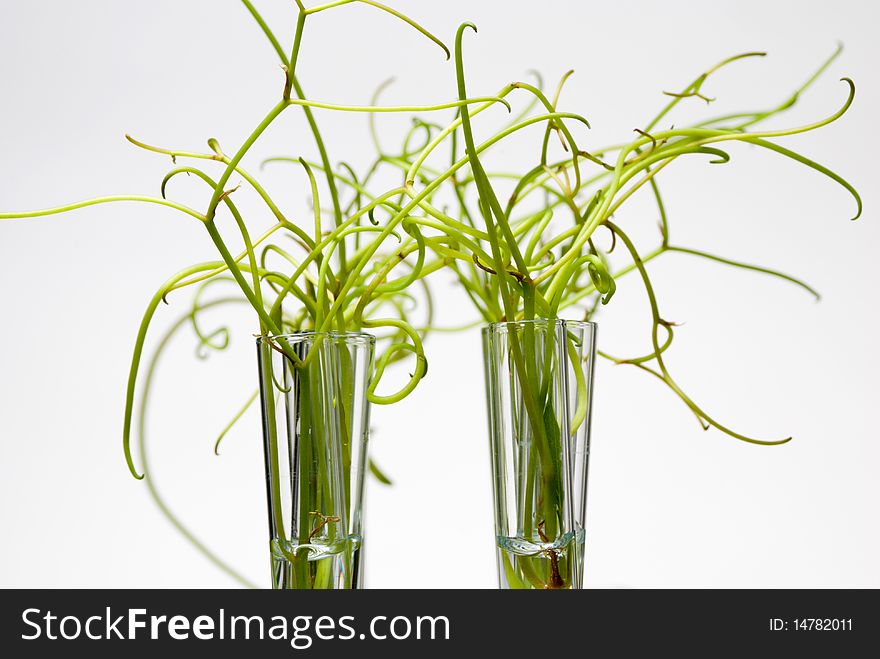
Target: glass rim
{"points": [[505, 324], [304, 335]]}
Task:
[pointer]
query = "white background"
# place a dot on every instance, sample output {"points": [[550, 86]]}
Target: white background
{"points": [[670, 505]]}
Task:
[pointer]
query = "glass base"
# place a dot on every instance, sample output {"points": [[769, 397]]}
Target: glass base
{"points": [[314, 566], [525, 564]]}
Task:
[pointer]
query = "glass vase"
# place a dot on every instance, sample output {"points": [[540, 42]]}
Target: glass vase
{"points": [[313, 393], [539, 376]]}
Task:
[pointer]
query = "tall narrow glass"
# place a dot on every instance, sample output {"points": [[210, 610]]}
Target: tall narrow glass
{"points": [[313, 393], [539, 376]]}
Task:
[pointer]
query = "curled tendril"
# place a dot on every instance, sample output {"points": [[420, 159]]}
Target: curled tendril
{"points": [[602, 280], [217, 339], [415, 347]]}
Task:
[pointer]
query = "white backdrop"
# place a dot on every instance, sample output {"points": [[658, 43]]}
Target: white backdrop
{"points": [[670, 505]]}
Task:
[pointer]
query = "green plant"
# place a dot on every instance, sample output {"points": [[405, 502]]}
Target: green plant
{"points": [[523, 271], [344, 273]]}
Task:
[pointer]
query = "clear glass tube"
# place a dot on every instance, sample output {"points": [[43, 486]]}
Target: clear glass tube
{"points": [[539, 376], [313, 393]]}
